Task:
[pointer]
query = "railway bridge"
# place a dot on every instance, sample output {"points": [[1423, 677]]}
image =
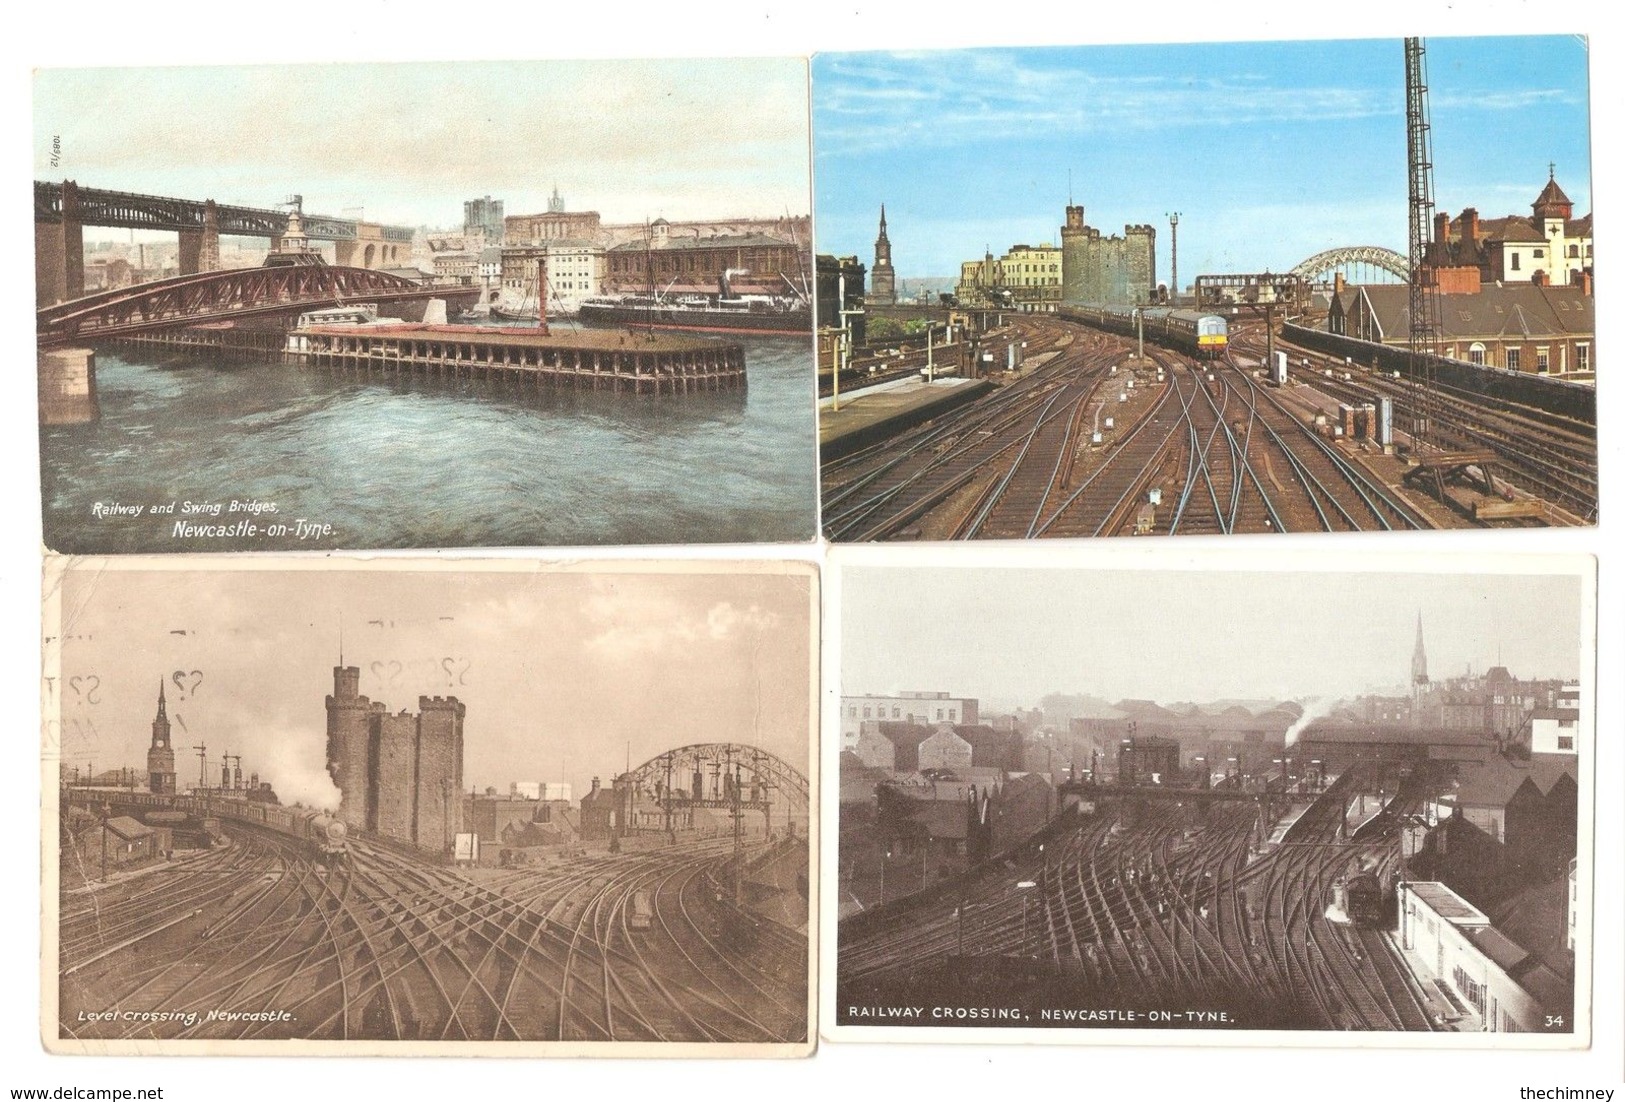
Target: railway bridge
{"points": [[665, 793], [63, 209]]}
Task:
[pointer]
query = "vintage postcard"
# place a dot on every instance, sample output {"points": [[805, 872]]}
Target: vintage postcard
{"points": [[406, 807], [1104, 291], [1225, 799], [424, 305]]}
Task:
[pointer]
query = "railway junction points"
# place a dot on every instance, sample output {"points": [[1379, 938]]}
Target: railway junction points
{"points": [[1105, 438]]}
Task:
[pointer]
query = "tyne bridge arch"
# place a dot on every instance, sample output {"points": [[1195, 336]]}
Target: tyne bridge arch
{"points": [[1357, 264], [716, 786]]}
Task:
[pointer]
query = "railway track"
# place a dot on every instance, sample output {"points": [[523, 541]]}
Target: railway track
{"points": [[1224, 454], [1548, 455], [1179, 907], [390, 947]]}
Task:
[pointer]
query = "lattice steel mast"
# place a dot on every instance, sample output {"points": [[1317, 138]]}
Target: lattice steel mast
{"points": [[1424, 307]]}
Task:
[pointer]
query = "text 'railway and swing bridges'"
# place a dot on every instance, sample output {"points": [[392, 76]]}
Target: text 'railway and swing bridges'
{"points": [[670, 905]]}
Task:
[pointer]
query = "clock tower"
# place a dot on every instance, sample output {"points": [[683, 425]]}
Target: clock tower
{"points": [[882, 279], [161, 754]]}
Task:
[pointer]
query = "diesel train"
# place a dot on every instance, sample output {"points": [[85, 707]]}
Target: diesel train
{"points": [[323, 836], [1190, 331]]}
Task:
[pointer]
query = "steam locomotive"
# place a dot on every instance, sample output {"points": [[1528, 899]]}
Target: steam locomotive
{"points": [[324, 836]]}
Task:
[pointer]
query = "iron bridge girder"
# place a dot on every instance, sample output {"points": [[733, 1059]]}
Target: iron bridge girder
{"points": [[213, 296], [132, 210], [756, 765], [1377, 256]]}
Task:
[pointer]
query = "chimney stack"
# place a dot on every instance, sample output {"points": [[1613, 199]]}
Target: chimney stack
{"points": [[1469, 226]]}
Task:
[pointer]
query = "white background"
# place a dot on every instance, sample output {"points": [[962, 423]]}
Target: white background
{"points": [[57, 34]]}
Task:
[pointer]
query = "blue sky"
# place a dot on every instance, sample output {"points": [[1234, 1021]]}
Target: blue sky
{"points": [[1269, 151]]}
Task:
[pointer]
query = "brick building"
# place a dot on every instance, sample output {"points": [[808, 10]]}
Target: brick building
{"points": [[1101, 270], [682, 264], [399, 775], [553, 224], [1544, 330], [1549, 247]]}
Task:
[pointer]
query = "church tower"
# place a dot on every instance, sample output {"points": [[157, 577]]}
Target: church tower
{"points": [[882, 279], [161, 754]]}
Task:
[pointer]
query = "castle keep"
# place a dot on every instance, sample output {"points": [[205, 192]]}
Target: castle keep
{"points": [[400, 774], [1107, 271]]}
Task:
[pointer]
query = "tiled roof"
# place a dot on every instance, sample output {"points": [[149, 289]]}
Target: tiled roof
{"points": [[1516, 310], [1551, 193], [1492, 783]]}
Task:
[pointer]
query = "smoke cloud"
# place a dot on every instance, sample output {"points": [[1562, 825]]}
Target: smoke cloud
{"points": [[295, 764], [1313, 708]]}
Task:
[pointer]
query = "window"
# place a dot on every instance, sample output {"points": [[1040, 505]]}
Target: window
{"points": [[1565, 742], [1574, 251], [1470, 990], [852, 711], [1475, 354], [1582, 357], [1543, 360], [896, 712], [866, 713], [1540, 254], [953, 715], [1513, 359], [1515, 260]]}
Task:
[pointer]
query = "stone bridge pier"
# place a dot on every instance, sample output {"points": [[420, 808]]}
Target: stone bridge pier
{"points": [[59, 253], [200, 249]]}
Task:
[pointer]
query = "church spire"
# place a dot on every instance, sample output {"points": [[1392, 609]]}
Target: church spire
{"points": [[161, 707], [1419, 657], [882, 277]]}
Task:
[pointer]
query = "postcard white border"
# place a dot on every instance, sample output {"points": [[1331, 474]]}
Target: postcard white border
{"points": [[1163, 555], [57, 566]]}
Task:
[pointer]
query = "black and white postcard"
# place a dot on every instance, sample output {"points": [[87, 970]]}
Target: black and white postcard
{"points": [[1237, 798]]}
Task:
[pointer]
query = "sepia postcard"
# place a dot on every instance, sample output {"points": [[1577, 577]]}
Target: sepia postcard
{"points": [[409, 807], [1226, 799], [358, 306], [1206, 288]]}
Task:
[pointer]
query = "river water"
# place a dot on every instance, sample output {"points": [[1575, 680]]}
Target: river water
{"points": [[428, 462]]}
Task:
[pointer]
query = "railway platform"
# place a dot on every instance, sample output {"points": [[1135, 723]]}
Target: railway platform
{"points": [[880, 412]]}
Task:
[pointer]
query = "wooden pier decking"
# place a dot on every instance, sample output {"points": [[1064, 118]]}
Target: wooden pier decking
{"points": [[579, 359], [628, 360]]}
